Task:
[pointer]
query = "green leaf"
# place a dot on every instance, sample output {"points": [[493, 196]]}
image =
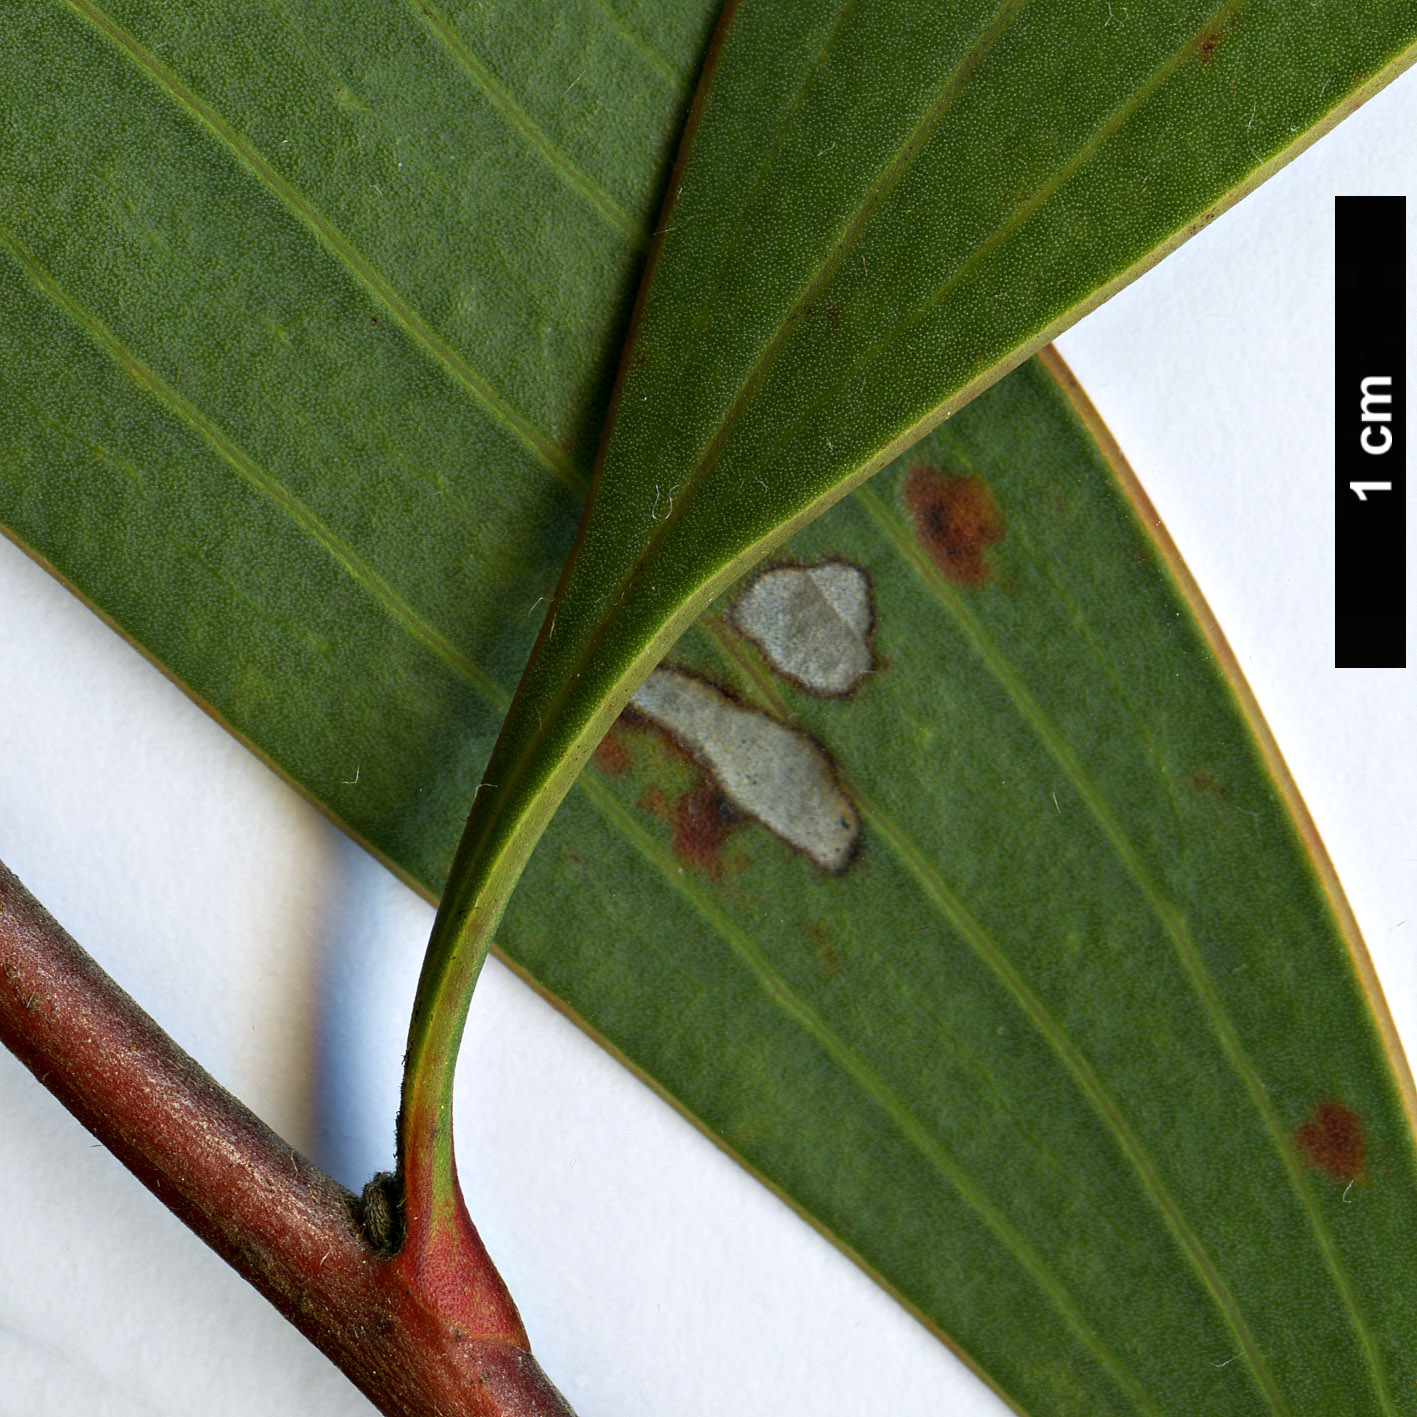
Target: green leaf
{"points": [[876, 211], [1064, 1085], [883, 208], [321, 406]]}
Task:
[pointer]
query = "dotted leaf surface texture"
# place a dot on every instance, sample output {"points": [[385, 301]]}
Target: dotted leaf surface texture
{"points": [[944, 873]]}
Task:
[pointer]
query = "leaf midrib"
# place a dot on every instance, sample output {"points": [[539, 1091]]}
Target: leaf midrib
{"points": [[791, 432], [888, 179], [309, 523]]}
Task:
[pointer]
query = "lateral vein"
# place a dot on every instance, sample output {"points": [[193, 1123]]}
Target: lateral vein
{"points": [[256, 477], [1171, 919], [526, 127], [875, 1087], [542, 448]]}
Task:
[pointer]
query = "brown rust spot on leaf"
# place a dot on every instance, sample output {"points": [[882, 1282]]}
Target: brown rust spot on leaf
{"points": [[1203, 782], [828, 957], [654, 801], [1209, 43], [1331, 1140], [611, 755], [956, 521], [703, 819]]}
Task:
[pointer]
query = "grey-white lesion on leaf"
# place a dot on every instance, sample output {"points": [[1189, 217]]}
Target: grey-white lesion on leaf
{"points": [[769, 771], [812, 623]]}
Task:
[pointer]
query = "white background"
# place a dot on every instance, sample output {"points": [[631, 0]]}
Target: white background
{"points": [[654, 1276]]}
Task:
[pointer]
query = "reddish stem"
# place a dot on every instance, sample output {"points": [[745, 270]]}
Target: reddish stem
{"points": [[422, 1334]]}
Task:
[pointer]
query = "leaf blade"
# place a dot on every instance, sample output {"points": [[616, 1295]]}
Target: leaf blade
{"points": [[440, 701], [671, 445], [795, 930]]}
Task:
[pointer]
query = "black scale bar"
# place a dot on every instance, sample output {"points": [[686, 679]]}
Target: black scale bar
{"points": [[1370, 434]]}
